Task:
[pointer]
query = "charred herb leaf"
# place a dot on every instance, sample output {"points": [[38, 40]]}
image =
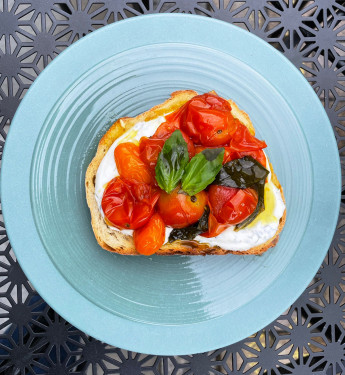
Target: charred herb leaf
{"points": [[244, 173], [260, 188], [171, 162], [241, 173], [189, 233], [202, 170]]}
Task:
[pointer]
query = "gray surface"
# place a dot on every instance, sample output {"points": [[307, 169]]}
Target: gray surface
{"points": [[309, 338]]}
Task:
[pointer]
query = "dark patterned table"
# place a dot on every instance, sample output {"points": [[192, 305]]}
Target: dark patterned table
{"points": [[309, 338]]}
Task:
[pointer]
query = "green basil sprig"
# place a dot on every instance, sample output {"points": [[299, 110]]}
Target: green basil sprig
{"points": [[202, 170], [171, 162], [189, 233], [244, 173]]}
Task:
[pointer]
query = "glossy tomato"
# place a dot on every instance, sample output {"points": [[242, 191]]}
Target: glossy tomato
{"points": [[258, 155], [214, 227], [242, 140], [128, 205], [178, 210], [130, 166], [164, 132], [207, 119], [150, 237], [230, 205], [149, 149]]}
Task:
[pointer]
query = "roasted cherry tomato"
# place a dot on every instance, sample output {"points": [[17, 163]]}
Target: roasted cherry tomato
{"points": [[214, 227], [258, 155], [242, 140], [178, 210], [166, 129], [130, 166], [150, 237], [207, 119], [230, 205], [128, 205], [149, 148]]}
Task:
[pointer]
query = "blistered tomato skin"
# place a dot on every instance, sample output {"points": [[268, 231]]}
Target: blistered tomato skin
{"points": [[242, 140], [179, 210], [150, 237], [128, 205], [230, 205], [207, 119], [130, 166]]}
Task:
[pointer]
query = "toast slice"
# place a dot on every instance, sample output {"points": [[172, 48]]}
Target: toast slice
{"points": [[116, 241]]}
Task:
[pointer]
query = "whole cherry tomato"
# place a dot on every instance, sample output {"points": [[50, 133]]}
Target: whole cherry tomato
{"points": [[242, 140], [207, 119], [128, 205], [230, 205], [178, 210], [129, 164], [150, 237], [149, 149]]}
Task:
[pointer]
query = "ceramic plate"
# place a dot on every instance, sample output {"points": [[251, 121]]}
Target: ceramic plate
{"points": [[164, 305]]}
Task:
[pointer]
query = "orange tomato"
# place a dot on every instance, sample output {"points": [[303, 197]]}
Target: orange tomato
{"points": [[150, 237], [130, 166], [179, 210]]}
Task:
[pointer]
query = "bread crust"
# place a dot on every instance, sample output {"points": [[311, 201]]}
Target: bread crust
{"points": [[118, 242]]}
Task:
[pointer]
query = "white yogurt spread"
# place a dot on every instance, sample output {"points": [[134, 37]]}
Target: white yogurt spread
{"points": [[255, 234]]}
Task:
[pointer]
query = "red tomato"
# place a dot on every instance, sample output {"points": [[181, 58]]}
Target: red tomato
{"points": [[258, 155], [166, 129], [230, 205], [178, 210], [149, 149], [242, 140], [207, 119], [214, 228], [150, 237], [129, 164], [128, 205]]}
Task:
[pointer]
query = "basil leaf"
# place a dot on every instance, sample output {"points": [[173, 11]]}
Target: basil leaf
{"points": [[189, 233], [171, 162], [202, 170], [260, 188], [241, 173]]}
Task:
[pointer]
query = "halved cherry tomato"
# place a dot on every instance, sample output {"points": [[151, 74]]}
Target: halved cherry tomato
{"points": [[214, 227], [178, 210], [242, 140], [129, 164], [150, 237], [230, 205], [128, 205], [207, 119]]}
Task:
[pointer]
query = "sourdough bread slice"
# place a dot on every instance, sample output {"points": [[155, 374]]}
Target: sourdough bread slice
{"points": [[116, 241]]}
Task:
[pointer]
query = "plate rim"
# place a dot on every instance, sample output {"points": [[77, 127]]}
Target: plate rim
{"points": [[155, 339]]}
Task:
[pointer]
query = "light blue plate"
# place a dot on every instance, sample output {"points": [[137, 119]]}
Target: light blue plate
{"points": [[164, 305]]}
